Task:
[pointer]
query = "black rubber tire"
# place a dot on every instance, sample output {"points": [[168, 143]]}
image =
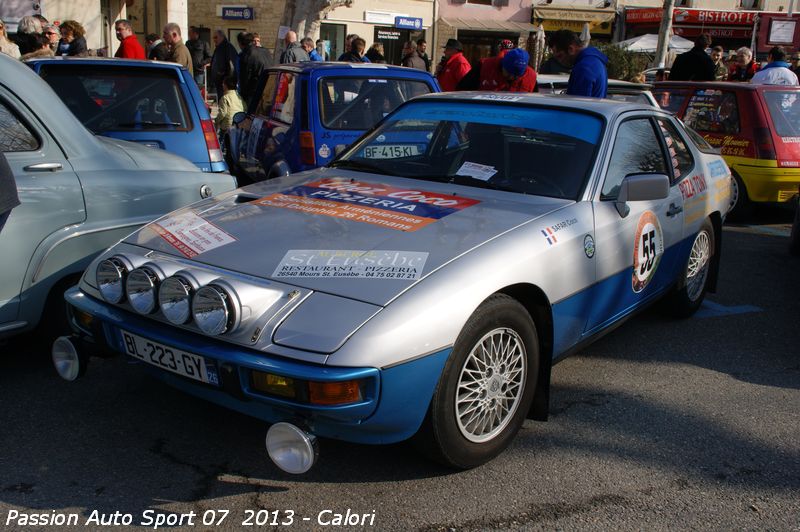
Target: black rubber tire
{"points": [[743, 207], [54, 321], [440, 438], [794, 237], [681, 304]]}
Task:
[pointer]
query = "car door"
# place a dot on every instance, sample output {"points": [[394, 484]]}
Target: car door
{"points": [[49, 191], [636, 253]]}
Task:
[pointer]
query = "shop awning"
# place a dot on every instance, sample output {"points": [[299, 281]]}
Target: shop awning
{"points": [[556, 18], [505, 26]]}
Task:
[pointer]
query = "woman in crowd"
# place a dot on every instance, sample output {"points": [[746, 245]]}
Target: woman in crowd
{"points": [[28, 29], [73, 42], [376, 54], [6, 46]]}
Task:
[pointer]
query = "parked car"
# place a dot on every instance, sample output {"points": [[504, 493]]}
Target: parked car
{"points": [[757, 128], [80, 193], [307, 112], [619, 90], [424, 292], [154, 103]]}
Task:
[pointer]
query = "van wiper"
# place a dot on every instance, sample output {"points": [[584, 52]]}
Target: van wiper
{"points": [[359, 165]]}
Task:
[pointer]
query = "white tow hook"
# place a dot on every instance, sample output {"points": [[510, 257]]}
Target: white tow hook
{"points": [[291, 448], [69, 361]]}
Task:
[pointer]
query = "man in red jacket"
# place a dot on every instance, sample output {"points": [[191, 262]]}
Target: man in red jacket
{"points": [[490, 67], [453, 67], [129, 47], [513, 73]]}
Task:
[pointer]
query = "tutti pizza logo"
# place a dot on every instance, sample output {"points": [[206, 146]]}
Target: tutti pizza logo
{"points": [[648, 249]]}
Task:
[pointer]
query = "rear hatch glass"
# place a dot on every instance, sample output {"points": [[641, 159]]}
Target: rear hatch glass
{"points": [[107, 98], [354, 103], [670, 99], [784, 111]]}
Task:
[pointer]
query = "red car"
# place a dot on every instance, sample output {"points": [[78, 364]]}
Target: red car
{"points": [[757, 128]]}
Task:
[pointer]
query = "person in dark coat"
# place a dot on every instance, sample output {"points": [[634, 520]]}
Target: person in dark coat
{"points": [[294, 52], [422, 50], [254, 61], [201, 55], [694, 65], [8, 191], [411, 57], [157, 49], [27, 30], [552, 66], [224, 62], [356, 53], [73, 42], [376, 53]]}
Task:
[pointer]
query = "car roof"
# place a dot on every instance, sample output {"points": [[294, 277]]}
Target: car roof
{"points": [[563, 79], [601, 106], [723, 85], [313, 66], [115, 61]]}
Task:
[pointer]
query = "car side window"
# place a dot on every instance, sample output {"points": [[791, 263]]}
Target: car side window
{"points": [[14, 135], [637, 150], [283, 109], [670, 99], [264, 106], [679, 154], [713, 111]]}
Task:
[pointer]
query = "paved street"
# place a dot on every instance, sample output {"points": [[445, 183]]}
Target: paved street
{"points": [[663, 424]]}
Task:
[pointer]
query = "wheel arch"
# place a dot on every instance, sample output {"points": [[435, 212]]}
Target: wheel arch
{"points": [[538, 306]]}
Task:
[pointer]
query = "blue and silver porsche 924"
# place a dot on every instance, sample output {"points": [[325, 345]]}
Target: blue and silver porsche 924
{"points": [[422, 284]]}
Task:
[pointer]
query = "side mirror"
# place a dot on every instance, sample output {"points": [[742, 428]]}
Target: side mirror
{"points": [[339, 149], [641, 187], [239, 117]]}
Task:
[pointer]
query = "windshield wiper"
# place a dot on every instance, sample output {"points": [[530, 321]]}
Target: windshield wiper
{"points": [[468, 180], [359, 165]]}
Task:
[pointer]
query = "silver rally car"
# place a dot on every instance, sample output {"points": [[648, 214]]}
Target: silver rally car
{"points": [[422, 284]]}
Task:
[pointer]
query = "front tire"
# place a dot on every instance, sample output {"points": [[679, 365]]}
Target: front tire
{"points": [[486, 387], [688, 295]]}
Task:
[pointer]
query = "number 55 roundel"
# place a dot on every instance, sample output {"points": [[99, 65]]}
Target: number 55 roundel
{"points": [[647, 250]]}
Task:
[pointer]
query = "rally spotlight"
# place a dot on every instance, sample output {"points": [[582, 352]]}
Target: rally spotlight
{"points": [[69, 361], [291, 448]]}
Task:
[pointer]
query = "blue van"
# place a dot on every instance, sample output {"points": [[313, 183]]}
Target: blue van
{"points": [[303, 114], [153, 103]]}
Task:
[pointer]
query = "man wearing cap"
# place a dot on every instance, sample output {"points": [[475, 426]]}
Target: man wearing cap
{"points": [[453, 66], [511, 73], [490, 71]]}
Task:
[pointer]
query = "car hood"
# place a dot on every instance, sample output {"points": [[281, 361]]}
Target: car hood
{"points": [[147, 158], [341, 232]]}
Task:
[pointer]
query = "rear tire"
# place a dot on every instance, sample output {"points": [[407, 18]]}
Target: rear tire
{"points": [[688, 295], [486, 388], [741, 206]]}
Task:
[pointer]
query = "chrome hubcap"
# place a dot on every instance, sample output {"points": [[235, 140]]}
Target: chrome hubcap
{"points": [[490, 385], [697, 269]]}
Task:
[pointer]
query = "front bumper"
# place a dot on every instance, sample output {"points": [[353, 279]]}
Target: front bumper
{"points": [[394, 404]]}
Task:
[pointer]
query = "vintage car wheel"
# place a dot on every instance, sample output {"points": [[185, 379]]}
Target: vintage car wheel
{"points": [[691, 289], [486, 388]]}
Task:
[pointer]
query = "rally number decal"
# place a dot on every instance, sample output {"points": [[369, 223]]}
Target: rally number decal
{"points": [[647, 250]]}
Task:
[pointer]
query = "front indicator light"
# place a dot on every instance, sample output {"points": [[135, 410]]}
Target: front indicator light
{"points": [[141, 287], [111, 278], [334, 393], [212, 310]]}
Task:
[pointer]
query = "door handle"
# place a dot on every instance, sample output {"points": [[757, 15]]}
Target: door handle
{"points": [[674, 209], [43, 167]]}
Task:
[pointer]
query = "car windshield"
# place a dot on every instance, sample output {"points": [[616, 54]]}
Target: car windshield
{"points": [[110, 98], [784, 108], [529, 150], [359, 103]]}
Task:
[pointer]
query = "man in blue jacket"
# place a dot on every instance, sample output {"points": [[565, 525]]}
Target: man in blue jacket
{"points": [[589, 76]]}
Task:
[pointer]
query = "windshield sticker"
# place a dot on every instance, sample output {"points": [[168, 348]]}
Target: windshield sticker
{"points": [[497, 97], [550, 231], [588, 246], [373, 203], [324, 151], [355, 264], [647, 250], [478, 171], [190, 234]]}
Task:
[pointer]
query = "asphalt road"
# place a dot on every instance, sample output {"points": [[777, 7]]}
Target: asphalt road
{"points": [[662, 424]]}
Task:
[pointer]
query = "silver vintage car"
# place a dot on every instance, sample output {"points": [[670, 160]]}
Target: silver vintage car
{"points": [[80, 193], [422, 284]]}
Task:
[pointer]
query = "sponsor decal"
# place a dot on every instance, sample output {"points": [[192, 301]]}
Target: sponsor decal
{"points": [[381, 138], [730, 145], [692, 186], [324, 151], [391, 207], [497, 97], [190, 234], [588, 246], [717, 168], [791, 140], [351, 263], [647, 250], [550, 231]]}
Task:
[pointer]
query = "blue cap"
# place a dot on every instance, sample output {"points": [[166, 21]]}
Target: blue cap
{"points": [[515, 61]]}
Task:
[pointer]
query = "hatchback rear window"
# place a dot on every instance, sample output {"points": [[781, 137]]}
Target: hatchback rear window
{"points": [[671, 99], [107, 98], [784, 108], [713, 111], [359, 103]]}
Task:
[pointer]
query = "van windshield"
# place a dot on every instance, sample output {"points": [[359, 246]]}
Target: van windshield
{"points": [[784, 109]]}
